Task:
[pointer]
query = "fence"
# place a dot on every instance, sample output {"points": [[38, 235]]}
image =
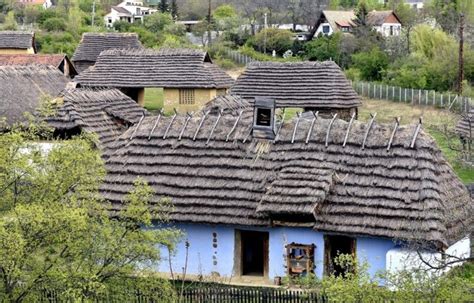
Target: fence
{"points": [[205, 294], [413, 96], [237, 57]]}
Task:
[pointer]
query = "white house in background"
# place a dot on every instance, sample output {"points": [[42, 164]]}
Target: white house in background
{"points": [[44, 3], [130, 11], [385, 22]]}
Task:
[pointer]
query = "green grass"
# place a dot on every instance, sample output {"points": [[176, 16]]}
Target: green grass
{"points": [[153, 99]]}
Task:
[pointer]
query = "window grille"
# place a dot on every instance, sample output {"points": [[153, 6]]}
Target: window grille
{"points": [[186, 96]]}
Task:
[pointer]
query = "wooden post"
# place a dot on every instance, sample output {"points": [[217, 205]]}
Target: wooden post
{"points": [[442, 100], [461, 50], [419, 96], [412, 93], [380, 91], [393, 93], [386, 92], [400, 95], [434, 97], [426, 97], [405, 99]]}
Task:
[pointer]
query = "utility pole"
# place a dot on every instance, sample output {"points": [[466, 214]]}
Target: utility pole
{"points": [[461, 55], [265, 34], [93, 13], [209, 19]]}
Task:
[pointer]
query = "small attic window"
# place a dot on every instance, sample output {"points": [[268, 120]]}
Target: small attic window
{"points": [[263, 119]]}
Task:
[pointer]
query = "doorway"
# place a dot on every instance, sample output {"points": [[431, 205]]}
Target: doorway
{"points": [[253, 250], [333, 247]]}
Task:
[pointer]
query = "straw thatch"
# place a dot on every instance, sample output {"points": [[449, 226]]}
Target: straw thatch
{"points": [[300, 84], [16, 40], [464, 128], [215, 172], [107, 113], [92, 44], [22, 88], [168, 68], [59, 61]]}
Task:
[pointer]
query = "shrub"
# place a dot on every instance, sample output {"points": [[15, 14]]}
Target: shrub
{"points": [[372, 64], [54, 24], [225, 63], [122, 26], [323, 48], [276, 39]]}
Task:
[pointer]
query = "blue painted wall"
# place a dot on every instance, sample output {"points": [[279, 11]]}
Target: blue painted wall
{"points": [[211, 249]]}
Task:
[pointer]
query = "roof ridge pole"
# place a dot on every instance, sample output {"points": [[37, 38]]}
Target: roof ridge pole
{"points": [[348, 130], [368, 129], [169, 125], [188, 117], [277, 135], [138, 125], [200, 124], [315, 114], [395, 128], [235, 125], [329, 129], [296, 126], [156, 124], [415, 134], [214, 126]]}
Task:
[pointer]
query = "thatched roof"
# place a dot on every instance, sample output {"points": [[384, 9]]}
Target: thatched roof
{"points": [[465, 128], [216, 173], [299, 84], [16, 39], [92, 44], [107, 113], [23, 87], [56, 60], [168, 68]]}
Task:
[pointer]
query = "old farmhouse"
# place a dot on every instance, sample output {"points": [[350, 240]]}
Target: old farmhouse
{"points": [[61, 62], [320, 86], [188, 77], [16, 42], [259, 198], [92, 44], [130, 11], [386, 23]]}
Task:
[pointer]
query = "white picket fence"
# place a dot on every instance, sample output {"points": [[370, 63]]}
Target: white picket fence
{"points": [[413, 96]]}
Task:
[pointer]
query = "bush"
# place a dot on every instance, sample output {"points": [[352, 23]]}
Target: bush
{"points": [[372, 65], [122, 26], [276, 40], [54, 24], [53, 43], [225, 63], [157, 22], [323, 48]]}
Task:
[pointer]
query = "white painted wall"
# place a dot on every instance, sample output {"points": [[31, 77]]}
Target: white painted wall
{"points": [[320, 30]]}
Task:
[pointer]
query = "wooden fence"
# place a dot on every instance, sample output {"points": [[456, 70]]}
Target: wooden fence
{"points": [[413, 96], [237, 57], [206, 294]]}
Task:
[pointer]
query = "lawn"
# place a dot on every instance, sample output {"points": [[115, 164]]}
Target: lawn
{"points": [[435, 122], [153, 99]]}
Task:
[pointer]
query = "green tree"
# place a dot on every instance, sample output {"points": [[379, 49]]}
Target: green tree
{"points": [[10, 22], [323, 48], [225, 18], [56, 231], [54, 24], [273, 39], [157, 22], [372, 65], [174, 9], [163, 6]]}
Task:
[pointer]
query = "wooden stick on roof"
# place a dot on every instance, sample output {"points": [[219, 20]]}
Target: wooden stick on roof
{"points": [[296, 126], [415, 134], [277, 135], [138, 125], [214, 127], [200, 124], [171, 122], [155, 124], [235, 125], [348, 129], [329, 129], [395, 128], [248, 135], [368, 129], [312, 125], [188, 117]]}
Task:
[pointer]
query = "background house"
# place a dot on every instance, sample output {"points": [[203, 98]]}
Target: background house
{"points": [[61, 62], [44, 3], [130, 11], [187, 76], [92, 44], [23, 88], [386, 23], [318, 86], [250, 206], [16, 42]]}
